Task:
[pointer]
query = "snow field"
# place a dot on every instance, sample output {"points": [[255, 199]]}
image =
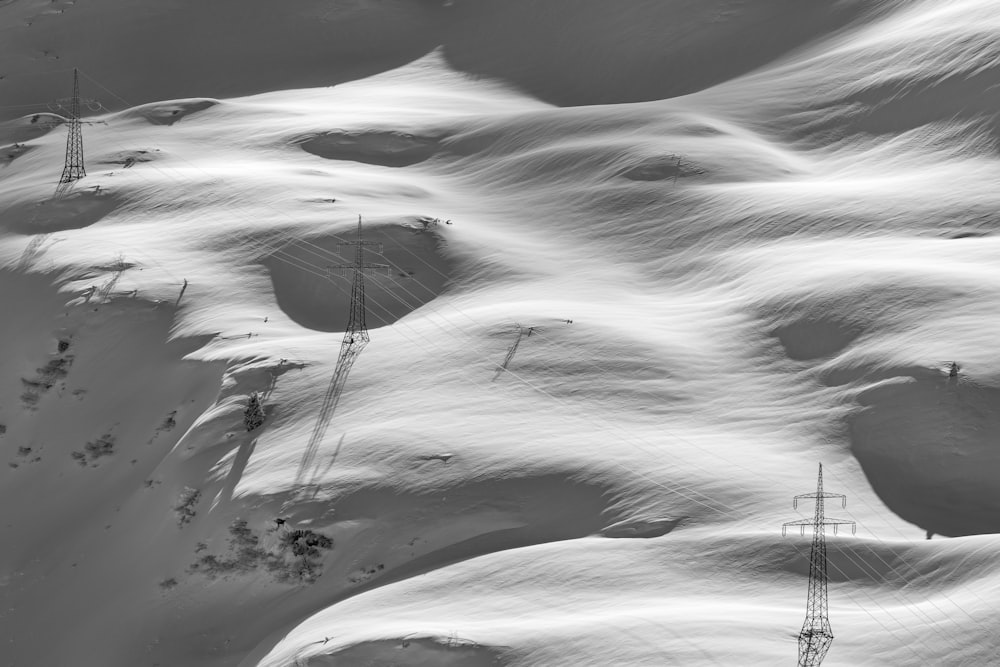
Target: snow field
{"points": [[765, 273]]}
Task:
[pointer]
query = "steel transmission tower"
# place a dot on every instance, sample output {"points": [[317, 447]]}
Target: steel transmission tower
{"points": [[354, 341], [74, 169], [816, 635], [357, 327]]}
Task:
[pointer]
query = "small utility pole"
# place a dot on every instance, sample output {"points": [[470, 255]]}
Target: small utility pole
{"points": [[117, 269], [522, 332], [816, 635], [181, 295]]}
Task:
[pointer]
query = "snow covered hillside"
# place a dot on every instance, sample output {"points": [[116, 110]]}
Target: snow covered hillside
{"points": [[714, 242]]}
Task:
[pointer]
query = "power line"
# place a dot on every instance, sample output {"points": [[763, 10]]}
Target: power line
{"points": [[601, 369], [430, 320]]}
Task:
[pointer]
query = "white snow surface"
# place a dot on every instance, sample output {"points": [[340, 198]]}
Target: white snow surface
{"points": [[752, 236]]}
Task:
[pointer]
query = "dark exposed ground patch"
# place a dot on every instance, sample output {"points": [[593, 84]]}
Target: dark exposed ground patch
{"points": [[45, 379], [129, 158], [413, 651], [26, 128], [816, 337], [75, 209], [969, 235], [13, 151], [640, 528], [297, 557], [927, 444], [419, 270], [168, 113], [386, 148], [96, 449], [662, 169]]}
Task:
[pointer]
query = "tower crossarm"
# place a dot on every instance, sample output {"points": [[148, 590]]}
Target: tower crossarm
{"points": [[359, 265], [802, 524], [837, 523], [814, 496], [359, 244]]}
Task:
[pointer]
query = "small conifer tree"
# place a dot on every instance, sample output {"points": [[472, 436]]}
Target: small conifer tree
{"points": [[253, 416]]}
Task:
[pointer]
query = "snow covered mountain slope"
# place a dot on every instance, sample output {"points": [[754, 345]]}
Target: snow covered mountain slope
{"points": [[746, 237]]}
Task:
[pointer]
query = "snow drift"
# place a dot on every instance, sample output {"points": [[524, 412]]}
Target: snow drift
{"points": [[746, 237]]}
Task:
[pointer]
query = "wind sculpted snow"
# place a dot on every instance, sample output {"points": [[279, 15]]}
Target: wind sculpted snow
{"points": [[746, 237]]}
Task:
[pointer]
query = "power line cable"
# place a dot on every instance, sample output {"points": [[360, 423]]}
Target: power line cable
{"points": [[513, 374]]}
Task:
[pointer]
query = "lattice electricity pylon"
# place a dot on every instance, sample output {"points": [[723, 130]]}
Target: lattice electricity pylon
{"points": [[74, 169], [355, 339], [357, 328], [522, 332], [816, 635]]}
